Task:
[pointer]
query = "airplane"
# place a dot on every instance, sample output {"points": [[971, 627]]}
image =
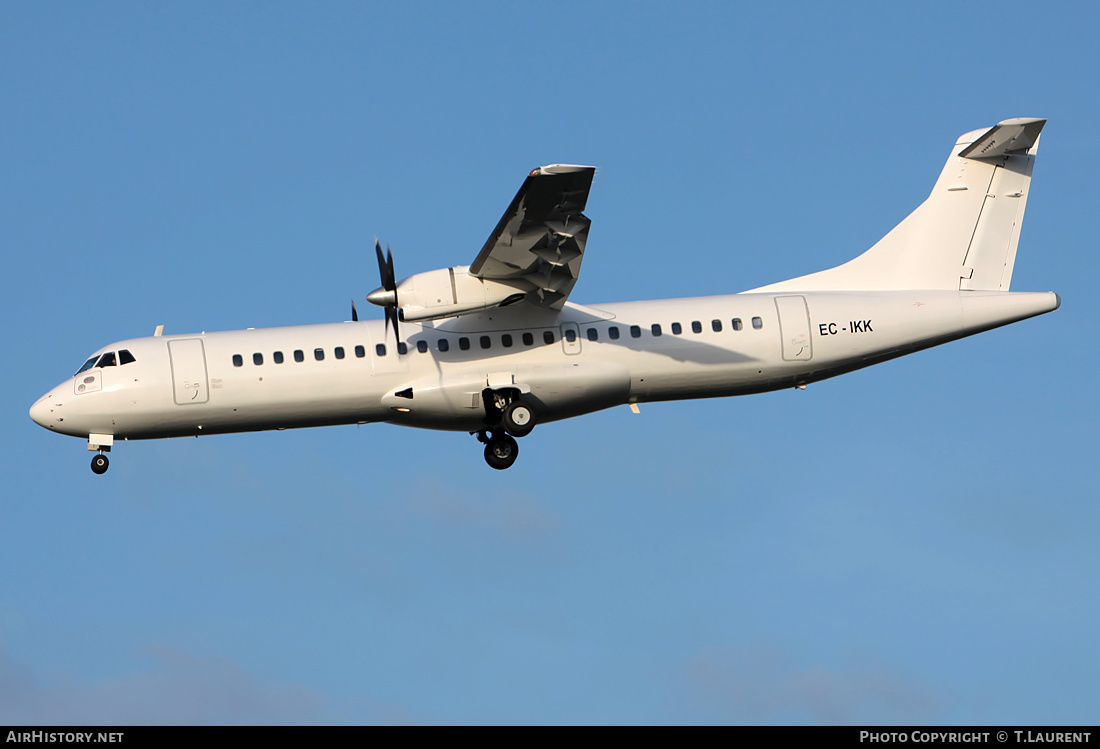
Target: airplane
{"points": [[496, 347]]}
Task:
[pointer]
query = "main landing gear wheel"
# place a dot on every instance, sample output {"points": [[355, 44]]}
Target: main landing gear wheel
{"points": [[501, 451], [518, 419], [100, 464]]}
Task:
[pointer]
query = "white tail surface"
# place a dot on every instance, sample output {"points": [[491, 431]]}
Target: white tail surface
{"points": [[964, 236]]}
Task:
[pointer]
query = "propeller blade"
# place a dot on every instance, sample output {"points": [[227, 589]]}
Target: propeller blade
{"points": [[391, 279], [354, 313], [385, 266], [381, 264], [389, 284], [391, 319]]}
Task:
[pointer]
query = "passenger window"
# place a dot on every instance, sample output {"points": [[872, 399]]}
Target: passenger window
{"points": [[380, 349], [613, 333], [443, 344], [464, 343], [278, 357], [548, 336], [593, 334], [635, 331], [125, 357], [676, 329], [319, 354], [655, 328], [422, 346], [107, 360], [257, 359], [737, 323], [716, 326], [506, 340], [486, 342], [299, 356], [360, 352], [570, 335], [402, 348], [528, 339], [697, 327], [757, 323], [338, 352], [238, 360]]}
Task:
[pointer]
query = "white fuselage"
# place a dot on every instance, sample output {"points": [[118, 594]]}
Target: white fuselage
{"points": [[565, 363]]}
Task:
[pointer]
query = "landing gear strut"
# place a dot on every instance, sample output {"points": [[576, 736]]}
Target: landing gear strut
{"points": [[501, 450], [100, 464]]}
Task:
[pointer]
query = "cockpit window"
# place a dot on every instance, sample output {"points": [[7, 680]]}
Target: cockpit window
{"points": [[88, 365], [107, 360], [125, 357]]}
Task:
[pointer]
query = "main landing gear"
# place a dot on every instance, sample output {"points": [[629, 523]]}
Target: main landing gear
{"points": [[516, 418], [501, 450]]}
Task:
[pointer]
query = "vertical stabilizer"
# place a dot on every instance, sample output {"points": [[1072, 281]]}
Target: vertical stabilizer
{"points": [[964, 236]]}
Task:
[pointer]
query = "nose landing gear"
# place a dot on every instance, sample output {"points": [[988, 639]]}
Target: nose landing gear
{"points": [[102, 444], [100, 464]]}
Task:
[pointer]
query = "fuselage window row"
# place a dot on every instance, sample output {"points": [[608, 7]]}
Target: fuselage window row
{"points": [[443, 344]]}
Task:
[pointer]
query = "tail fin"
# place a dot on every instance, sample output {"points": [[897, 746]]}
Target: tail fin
{"points": [[964, 235]]}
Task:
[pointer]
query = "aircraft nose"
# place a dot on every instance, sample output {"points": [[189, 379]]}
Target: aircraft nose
{"points": [[42, 411]]}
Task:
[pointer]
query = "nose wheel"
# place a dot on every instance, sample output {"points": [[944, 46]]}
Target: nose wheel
{"points": [[501, 450], [100, 464]]}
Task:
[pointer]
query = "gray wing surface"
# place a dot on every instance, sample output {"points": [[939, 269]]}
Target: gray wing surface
{"points": [[539, 240]]}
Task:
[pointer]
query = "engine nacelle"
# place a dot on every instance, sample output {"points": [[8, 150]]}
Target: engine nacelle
{"points": [[448, 292]]}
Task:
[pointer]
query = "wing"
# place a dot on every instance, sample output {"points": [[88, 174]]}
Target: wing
{"points": [[539, 241]]}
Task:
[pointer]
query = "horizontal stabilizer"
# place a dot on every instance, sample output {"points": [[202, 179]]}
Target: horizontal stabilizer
{"points": [[1005, 138]]}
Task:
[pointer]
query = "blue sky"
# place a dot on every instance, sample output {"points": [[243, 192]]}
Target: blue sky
{"points": [[911, 543]]}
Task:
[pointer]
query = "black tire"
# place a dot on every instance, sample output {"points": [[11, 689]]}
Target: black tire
{"points": [[518, 418], [501, 452], [100, 464]]}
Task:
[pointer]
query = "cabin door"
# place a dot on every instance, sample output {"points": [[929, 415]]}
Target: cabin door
{"points": [[794, 328], [188, 361]]}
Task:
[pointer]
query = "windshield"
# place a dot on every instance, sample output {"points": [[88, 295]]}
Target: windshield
{"points": [[108, 360]]}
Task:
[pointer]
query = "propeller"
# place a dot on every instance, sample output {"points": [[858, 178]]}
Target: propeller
{"points": [[354, 313], [386, 295]]}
